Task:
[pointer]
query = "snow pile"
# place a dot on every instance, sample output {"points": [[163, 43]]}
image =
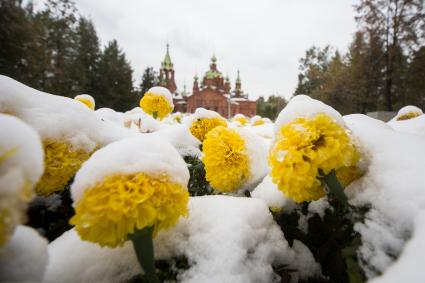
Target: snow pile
{"points": [[141, 122], [108, 114], [24, 258], [146, 154], [56, 117], [21, 155], [181, 138], [393, 187], [225, 239], [265, 130], [412, 126], [275, 199]]}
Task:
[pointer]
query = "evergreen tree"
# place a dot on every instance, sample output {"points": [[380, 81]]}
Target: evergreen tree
{"points": [[17, 41], [59, 22], [85, 66], [115, 89], [415, 79], [149, 79]]}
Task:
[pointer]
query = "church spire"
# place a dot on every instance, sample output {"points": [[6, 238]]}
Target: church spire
{"points": [[166, 63], [166, 73], [238, 86]]}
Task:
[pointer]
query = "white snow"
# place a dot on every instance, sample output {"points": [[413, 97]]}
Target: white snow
{"points": [[146, 153], [394, 188], [304, 106], [24, 258], [275, 199], [108, 114], [412, 126], [26, 161], [257, 151], [225, 239], [181, 138], [200, 113], [57, 117]]}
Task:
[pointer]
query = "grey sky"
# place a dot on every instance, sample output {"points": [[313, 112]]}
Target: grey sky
{"points": [[264, 39]]}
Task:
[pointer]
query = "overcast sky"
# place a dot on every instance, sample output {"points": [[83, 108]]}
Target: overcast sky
{"points": [[264, 38]]}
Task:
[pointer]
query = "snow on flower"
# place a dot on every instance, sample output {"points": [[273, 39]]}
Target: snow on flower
{"points": [[157, 102], [203, 121], [240, 118], [234, 158], [303, 147], [69, 130], [408, 112], [87, 100], [128, 185], [21, 166], [257, 121]]}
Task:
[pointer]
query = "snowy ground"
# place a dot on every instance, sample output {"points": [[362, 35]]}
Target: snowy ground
{"points": [[224, 238]]}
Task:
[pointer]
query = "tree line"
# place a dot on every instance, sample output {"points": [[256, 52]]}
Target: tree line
{"points": [[58, 51], [384, 67]]}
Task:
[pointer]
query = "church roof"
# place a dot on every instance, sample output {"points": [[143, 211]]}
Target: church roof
{"points": [[166, 63]]}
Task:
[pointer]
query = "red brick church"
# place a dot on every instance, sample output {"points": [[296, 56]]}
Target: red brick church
{"points": [[213, 93]]}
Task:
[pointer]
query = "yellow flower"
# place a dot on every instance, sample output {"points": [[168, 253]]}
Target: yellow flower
{"points": [[240, 118], [177, 117], [225, 159], [114, 208], [202, 126], [86, 99], [152, 103], [61, 164], [258, 122], [408, 116], [304, 146]]}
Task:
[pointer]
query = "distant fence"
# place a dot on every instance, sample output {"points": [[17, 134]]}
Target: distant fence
{"points": [[382, 115]]}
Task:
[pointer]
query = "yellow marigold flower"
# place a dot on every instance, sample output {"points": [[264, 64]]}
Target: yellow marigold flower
{"points": [[225, 158], [304, 146], [258, 122], [408, 116], [114, 208], [177, 117], [155, 103], [61, 163], [408, 112], [240, 118], [202, 126], [86, 99]]}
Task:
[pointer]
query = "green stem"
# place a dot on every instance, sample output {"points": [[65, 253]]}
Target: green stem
{"points": [[155, 115], [336, 190], [143, 246]]}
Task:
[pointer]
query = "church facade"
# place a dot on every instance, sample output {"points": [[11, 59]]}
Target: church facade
{"points": [[213, 92]]}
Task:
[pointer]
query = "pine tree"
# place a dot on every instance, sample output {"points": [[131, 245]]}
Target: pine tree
{"points": [[85, 66], [115, 89], [149, 79]]}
